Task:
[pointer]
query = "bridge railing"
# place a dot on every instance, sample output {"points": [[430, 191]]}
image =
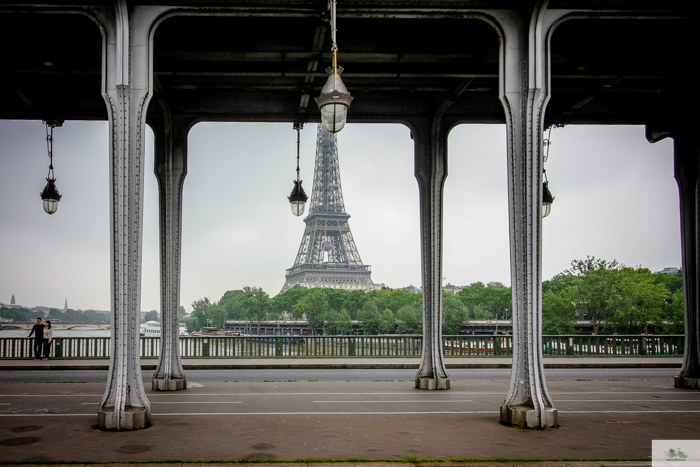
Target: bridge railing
{"points": [[354, 346]]}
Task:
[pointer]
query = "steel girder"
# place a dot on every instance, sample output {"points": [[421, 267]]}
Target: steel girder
{"points": [[170, 170]]}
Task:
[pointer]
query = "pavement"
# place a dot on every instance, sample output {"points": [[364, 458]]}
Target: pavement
{"points": [[613, 420], [149, 364]]}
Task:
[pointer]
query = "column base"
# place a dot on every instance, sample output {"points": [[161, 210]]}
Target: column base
{"points": [[432, 384], [134, 418], [169, 384], [525, 416], [686, 383]]}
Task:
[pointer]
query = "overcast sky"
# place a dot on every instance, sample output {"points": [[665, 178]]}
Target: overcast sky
{"points": [[616, 198]]}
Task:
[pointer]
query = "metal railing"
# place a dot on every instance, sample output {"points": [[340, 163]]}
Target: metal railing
{"points": [[354, 346]]}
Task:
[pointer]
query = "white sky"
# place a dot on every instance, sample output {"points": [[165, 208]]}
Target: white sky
{"points": [[615, 199]]}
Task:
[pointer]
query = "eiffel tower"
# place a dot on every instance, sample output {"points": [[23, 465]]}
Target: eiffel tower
{"points": [[327, 255]]}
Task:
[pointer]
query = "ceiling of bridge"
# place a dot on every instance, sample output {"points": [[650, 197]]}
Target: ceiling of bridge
{"points": [[270, 68]]}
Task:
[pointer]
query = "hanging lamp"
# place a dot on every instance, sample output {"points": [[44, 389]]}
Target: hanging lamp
{"points": [[298, 197], [334, 100], [50, 195]]}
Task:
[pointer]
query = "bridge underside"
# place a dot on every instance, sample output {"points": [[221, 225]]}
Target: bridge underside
{"points": [[267, 64], [429, 65]]}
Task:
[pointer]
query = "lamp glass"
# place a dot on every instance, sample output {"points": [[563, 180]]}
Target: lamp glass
{"points": [[50, 206], [298, 207], [546, 209], [333, 116]]}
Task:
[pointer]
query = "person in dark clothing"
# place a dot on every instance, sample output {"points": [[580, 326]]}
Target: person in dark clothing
{"points": [[38, 331]]}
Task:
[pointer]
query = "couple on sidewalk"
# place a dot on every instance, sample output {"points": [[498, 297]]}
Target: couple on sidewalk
{"points": [[43, 336]]}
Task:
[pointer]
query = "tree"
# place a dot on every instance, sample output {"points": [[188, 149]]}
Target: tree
{"points": [[674, 314], [201, 305], [638, 301], [332, 322], [370, 316], [410, 320], [558, 312], [387, 322], [217, 315], [254, 304], [315, 305], [287, 301], [198, 320], [453, 314], [598, 281], [344, 322], [181, 311], [151, 316], [229, 302]]}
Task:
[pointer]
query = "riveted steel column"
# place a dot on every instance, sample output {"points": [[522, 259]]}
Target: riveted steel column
{"points": [[430, 137], [170, 170], [127, 74], [687, 172], [524, 93]]}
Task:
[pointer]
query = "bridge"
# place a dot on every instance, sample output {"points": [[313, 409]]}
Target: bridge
{"points": [[28, 325], [427, 65]]}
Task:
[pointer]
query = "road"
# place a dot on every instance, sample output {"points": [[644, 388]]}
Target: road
{"points": [[89, 376]]}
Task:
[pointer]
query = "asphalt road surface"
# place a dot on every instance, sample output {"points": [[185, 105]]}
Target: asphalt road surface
{"points": [[90, 376]]}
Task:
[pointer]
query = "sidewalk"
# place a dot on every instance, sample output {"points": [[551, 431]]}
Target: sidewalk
{"points": [[346, 363]]}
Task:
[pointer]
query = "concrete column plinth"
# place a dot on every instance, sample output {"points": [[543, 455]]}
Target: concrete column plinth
{"points": [[686, 383], [525, 416], [432, 384], [131, 418], [169, 384]]}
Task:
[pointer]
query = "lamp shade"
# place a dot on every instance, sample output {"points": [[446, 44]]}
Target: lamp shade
{"points": [[297, 198], [334, 102], [50, 196], [547, 199]]}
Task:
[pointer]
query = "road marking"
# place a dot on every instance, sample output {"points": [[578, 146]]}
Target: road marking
{"points": [[4, 403], [362, 402], [47, 414], [329, 413], [627, 400], [178, 402], [50, 395], [630, 411]]}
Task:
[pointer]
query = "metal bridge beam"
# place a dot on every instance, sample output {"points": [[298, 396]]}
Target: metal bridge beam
{"points": [[127, 83], [170, 170], [430, 140], [687, 172], [524, 92]]}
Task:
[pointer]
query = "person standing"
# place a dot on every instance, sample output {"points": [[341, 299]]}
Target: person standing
{"points": [[38, 331], [48, 338]]}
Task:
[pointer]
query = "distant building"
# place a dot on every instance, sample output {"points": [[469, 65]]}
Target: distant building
{"points": [[668, 271], [65, 307], [12, 300], [452, 288], [412, 289]]}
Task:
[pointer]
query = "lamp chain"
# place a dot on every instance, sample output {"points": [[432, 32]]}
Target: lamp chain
{"points": [[49, 148], [298, 128], [334, 47]]}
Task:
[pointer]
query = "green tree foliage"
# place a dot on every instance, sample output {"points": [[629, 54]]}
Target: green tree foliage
{"points": [[410, 319], [598, 281], [150, 316], [287, 301], [217, 315], [230, 304], [332, 322], [198, 320], [638, 300], [344, 322], [19, 314], [387, 322], [181, 311], [673, 319], [370, 317], [454, 313], [315, 305], [558, 312], [673, 282], [486, 302], [254, 304]]}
